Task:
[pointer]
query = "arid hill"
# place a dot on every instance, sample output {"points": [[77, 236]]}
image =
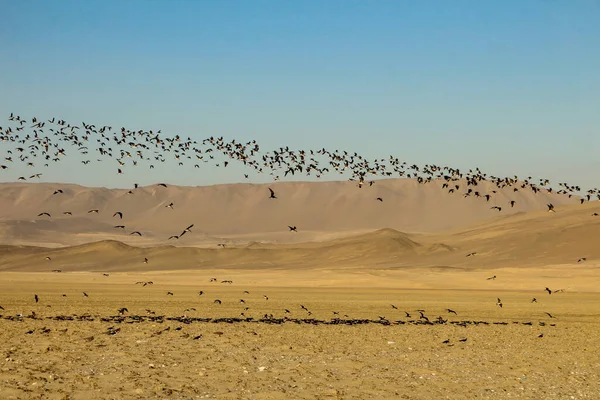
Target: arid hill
{"points": [[244, 213]]}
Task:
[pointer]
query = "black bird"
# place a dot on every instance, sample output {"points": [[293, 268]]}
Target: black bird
{"points": [[499, 302], [36, 298], [394, 307], [380, 199], [272, 196], [162, 184], [550, 207], [123, 310], [451, 311], [85, 294], [534, 300], [119, 213], [462, 340], [491, 278], [188, 229], [293, 228], [550, 315], [471, 254], [57, 191], [217, 301], [548, 290], [93, 211], [136, 233], [169, 293], [44, 213]]}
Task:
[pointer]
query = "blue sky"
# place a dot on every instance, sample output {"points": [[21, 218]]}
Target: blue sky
{"points": [[508, 86]]}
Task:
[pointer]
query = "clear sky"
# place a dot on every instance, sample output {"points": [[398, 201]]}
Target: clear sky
{"points": [[511, 87]]}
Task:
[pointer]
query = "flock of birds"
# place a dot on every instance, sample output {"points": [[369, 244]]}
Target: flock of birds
{"points": [[44, 142], [300, 315], [36, 143]]}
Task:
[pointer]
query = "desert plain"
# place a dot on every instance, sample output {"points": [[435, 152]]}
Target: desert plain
{"points": [[355, 305]]}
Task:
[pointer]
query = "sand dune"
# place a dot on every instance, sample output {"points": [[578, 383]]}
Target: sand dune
{"points": [[356, 236], [532, 239], [243, 213]]}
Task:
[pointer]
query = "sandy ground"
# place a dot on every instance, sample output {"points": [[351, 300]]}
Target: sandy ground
{"points": [[77, 359]]}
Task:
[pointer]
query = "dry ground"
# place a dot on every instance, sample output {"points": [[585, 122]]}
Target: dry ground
{"points": [[252, 360]]}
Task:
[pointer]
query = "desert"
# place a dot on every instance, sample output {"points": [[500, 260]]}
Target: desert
{"points": [[289, 200], [328, 311]]}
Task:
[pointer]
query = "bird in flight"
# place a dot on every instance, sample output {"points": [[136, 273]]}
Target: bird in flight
{"points": [[119, 213], [491, 278], [272, 196], [293, 228]]}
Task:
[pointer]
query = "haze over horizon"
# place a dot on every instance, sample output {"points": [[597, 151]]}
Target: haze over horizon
{"points": [[510, 88]]}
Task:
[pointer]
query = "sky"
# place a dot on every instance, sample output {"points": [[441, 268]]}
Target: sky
{"points": [[511, 87]]}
